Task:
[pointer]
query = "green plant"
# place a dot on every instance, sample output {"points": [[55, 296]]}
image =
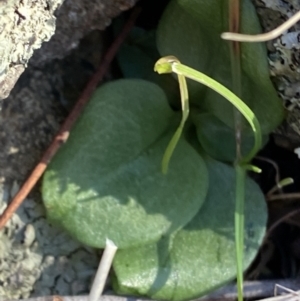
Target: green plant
{"points": [[171, 64], [175, 232]]}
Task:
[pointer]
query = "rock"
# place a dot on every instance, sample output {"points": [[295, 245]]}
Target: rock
{"points": [[75, 19], [25, 25], [284, 65]]}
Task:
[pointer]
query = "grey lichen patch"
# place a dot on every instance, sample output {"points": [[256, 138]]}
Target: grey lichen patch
{"points": [[284, 51], [24, 26], [282, 6], [37, 259], [284, 58]]}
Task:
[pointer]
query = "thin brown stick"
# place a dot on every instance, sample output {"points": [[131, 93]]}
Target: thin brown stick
{"points": [[277, 186], [281, 220], [63, 134], [274, 164], [294, 195], [235, 60]]}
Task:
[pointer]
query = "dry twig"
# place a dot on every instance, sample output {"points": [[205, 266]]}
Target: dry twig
{"points": [[273, 34], [103, 270]]}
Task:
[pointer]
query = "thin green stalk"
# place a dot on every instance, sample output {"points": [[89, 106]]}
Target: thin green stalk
{"points": [[239, 225], [171, 64], [235, 60], [185, 113]]}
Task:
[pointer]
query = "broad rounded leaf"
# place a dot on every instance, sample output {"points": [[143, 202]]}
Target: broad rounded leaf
{"points": [[191, 31], [218, 139], [200, 257], [106, 182]]}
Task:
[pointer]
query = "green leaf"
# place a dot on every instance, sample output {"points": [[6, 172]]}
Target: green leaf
{"points": [[218, 139], [106, 182], [137, 57], [190, 30], [201, 256]]}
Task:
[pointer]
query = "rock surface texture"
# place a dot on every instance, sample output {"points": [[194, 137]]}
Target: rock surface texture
{"points": [[26, 24], [76, 18], [35, 258], [284, 58]]}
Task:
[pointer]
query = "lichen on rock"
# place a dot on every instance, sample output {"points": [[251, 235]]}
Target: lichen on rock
{"points": [[284, 62], [24, 26]]}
